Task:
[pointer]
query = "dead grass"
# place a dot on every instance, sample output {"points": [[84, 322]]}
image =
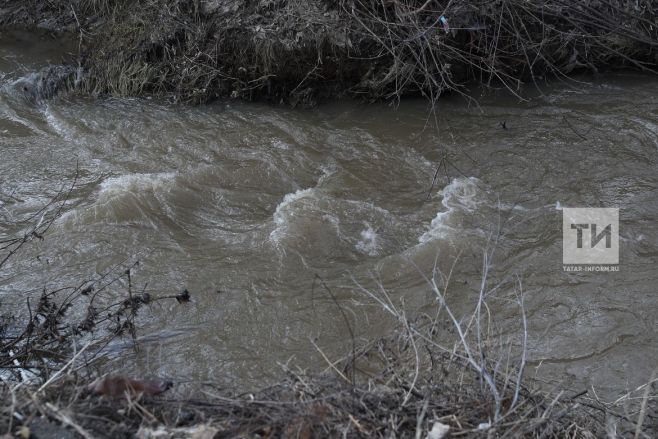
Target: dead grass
{"points": [[388, 403], [302, 52], [399, 400], [437, 372]]}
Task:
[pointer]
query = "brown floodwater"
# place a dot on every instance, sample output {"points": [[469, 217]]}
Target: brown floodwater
{"points": [[247, 205]]}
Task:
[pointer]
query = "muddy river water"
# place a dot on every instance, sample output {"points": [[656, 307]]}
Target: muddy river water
{"points": [[248, 205]]}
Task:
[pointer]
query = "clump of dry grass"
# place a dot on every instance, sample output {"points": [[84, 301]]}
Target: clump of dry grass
{"points": [[400, 400], [431, 46], [301, 51]]}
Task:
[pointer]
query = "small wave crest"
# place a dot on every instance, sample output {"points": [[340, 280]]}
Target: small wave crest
{"points": [[124, 198], [57, 123], [135, 183], [311, 221], [284, 211], [462, 196]]}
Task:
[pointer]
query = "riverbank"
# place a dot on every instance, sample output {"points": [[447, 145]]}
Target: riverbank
{"points": [[304, 52], [418, 390], [448, 401], [406, 384]]}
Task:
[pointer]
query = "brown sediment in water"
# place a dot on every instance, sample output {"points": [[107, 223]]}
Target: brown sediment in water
{"points": [[300, 52]]}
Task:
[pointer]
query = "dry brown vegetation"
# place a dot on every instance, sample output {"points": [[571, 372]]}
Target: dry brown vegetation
{"points": [[416, 387], [300, 51]]}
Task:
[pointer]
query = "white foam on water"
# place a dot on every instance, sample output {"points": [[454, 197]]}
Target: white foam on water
{"points": [[327, 171], [463, 195], [57, 124], [130, 185], [369, 242], [135, 183], [279, 144], [284, 211]]}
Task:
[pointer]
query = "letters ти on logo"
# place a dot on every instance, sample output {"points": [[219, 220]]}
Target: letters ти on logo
{"points": [[590, 236]]}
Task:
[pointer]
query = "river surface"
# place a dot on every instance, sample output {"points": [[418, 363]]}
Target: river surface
{"points": [[248, 205]]}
